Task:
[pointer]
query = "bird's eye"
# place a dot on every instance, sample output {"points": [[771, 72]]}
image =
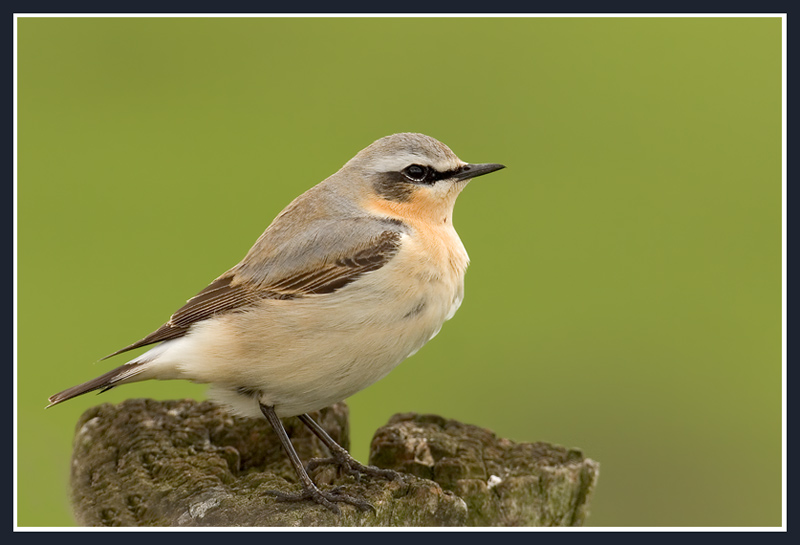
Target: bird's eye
{"points": [[415, 173]]}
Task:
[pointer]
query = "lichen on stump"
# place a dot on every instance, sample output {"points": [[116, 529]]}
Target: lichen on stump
{"points": [[503, 483], [187, 463]]}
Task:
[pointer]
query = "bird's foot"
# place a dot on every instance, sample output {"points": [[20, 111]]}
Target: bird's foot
{"points": [[353, 467], [327, 499]]}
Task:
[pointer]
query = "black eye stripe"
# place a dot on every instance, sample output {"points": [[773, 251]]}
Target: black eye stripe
{"points": [[398, 186], [446, 174], [421, 174]]}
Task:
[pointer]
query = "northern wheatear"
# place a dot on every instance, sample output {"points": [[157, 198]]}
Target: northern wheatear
{"points": [[353, 277]]}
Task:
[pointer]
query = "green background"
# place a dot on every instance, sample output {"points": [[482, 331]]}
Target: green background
{"points": [[624, 295]]}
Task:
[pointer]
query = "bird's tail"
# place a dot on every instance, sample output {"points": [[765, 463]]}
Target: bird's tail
{"points": [[104, 382]]}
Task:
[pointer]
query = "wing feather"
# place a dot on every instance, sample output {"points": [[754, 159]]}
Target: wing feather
{"points": [[230, 292]]}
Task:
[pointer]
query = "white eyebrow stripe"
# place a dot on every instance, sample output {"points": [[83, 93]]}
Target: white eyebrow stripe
{"points": [[397, 162]]}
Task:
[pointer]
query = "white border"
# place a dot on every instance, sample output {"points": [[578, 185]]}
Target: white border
{"points": [[783, 263], [362, 15], [783, 17]]}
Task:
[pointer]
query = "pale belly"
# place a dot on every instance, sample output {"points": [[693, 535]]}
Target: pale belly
{"points": [[305, 354]]}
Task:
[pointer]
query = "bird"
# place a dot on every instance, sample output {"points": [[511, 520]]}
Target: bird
{"points": [[354, 276]]}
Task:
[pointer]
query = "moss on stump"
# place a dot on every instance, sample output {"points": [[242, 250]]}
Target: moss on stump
{"points": [[187, 463]]}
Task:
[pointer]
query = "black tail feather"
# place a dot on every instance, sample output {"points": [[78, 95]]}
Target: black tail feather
{"points": [[103, 382]]}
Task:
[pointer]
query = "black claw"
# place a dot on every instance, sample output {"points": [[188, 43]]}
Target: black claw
{"points": [[342, 458], [314, 463], [310, 490], [352, 500], [353, 467], [327, 499], [307, 494]]}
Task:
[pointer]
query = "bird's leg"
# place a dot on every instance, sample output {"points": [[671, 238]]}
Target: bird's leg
{"points": [[310, 490], [341, 457]]}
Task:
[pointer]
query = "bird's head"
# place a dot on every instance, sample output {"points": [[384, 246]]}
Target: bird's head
{"points": [[413, 174]]}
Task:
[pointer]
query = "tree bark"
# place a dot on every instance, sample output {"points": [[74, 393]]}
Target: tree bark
{"points": [[188, 463]]}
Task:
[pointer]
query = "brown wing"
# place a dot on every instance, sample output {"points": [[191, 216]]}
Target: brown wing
{"points": [[225, 294]]}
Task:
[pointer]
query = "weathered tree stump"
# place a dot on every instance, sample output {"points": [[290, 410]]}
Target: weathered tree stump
{"points": [[188, 463]]}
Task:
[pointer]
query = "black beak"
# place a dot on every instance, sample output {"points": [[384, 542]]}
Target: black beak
{"points": [[470, 171]]}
